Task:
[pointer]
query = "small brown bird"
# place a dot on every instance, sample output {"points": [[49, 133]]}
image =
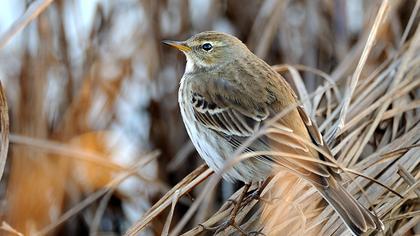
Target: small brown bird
{"points": [[226, 93]]}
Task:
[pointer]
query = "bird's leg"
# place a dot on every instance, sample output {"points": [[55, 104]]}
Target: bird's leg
{"points": [[233, 214], [238, 204], [256, 193]]}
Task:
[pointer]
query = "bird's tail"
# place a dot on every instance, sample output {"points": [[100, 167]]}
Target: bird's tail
{"points": [[357, 218]]}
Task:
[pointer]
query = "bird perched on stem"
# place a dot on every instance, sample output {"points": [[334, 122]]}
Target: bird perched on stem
{"points": [[226, 93]]}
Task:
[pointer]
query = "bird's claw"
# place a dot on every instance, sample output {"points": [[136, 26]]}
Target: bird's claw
{"points": [[223, 226]]}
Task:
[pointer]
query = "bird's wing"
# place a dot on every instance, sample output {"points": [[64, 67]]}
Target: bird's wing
{"points": [[317, 139], [235, 114], [224, 118]]}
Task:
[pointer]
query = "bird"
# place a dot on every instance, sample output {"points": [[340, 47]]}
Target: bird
{"points": [[226, 93]]}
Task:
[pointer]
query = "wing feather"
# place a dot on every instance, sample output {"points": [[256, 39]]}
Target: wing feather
{"points": [[234, 119], [318, 139]]}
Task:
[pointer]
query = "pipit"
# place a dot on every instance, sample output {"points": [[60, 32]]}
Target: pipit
{"points": [[226, 93]]}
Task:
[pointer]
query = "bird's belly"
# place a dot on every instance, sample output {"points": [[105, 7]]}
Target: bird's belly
{"points": [[216, 151], [207, 146]]}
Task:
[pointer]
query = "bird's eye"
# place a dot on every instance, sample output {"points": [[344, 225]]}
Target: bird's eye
{"points": [[207, 46]]}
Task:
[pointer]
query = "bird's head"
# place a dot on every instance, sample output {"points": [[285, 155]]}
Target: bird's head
{"points": [[210, 49]]}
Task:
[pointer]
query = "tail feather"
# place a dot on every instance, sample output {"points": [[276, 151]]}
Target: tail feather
{"points": [[357, 218]]}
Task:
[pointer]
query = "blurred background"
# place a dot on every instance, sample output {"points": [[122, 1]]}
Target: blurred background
{"points": [[92, 94]]}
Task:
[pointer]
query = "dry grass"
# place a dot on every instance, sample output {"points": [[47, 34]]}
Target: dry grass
{"points": [[4, 127], [69, 94]]}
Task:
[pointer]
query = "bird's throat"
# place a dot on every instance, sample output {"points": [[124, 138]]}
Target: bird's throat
{"points": [[189, 68]]}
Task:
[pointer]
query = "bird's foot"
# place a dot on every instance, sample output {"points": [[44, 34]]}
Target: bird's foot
{"points": [[256, 233], [230, 202], [223, 226], [231, 222], [255, 194], [232, 218]]}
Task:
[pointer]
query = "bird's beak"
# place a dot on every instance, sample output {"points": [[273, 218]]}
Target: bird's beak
{"points": [[182, 46]]}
